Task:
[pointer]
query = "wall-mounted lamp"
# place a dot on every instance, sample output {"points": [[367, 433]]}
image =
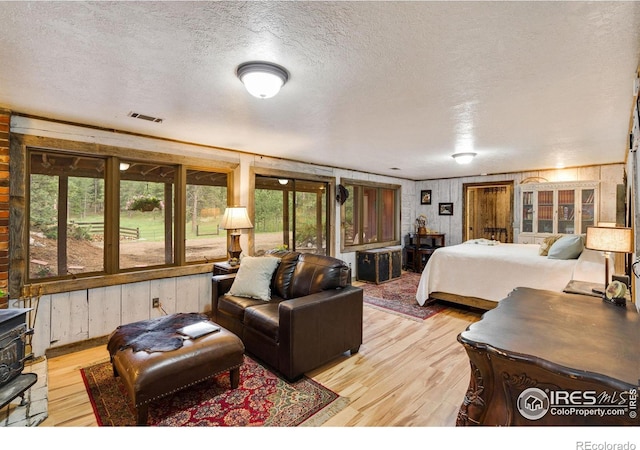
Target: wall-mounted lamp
{"points": [[463, 158], [283, 181], [262, 79], [235, 219], [124, 166]]}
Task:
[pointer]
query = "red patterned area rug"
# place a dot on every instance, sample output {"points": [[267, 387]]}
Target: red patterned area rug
{"points": [[262, 399], [399, 296]]}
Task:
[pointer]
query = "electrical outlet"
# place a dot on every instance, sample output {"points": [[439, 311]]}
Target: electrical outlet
{"points": [[155, 302]]}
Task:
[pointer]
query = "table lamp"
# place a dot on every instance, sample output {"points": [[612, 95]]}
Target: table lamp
{"points": [[609, 239], [235, 218]]}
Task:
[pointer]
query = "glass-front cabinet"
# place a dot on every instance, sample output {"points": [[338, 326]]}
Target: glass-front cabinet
{"points": [[557, 208]]}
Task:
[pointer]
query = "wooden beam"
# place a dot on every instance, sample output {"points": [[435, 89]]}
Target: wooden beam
{"points": [[63, 209], [112, 216]]}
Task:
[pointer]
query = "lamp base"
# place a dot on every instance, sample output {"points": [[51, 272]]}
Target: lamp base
{"points": [[234, 250], [233, 262], [620, 302]]}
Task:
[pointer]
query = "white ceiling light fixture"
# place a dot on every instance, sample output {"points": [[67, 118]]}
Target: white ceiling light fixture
{"points": [[262, 79], [464, 158]]}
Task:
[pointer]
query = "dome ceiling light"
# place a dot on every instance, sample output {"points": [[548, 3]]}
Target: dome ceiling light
{"points": [[262, 79], [463, 158]]}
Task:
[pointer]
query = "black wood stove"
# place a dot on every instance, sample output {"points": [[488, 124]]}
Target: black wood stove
{"points": [[13, 338]]}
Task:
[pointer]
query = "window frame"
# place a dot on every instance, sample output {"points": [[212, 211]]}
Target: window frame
{"points": [[291, 219], [397, 219], [274, 173], [20, 148]]}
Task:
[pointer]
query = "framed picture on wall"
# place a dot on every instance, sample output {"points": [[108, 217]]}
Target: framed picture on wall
{"points": [[425, 197], [445, 209]]}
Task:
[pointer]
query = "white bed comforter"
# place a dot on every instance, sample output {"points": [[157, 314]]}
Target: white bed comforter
{"points": [[491, 272]]}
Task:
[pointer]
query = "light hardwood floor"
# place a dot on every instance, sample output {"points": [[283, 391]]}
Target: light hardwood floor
{"points": [[407, 373]]}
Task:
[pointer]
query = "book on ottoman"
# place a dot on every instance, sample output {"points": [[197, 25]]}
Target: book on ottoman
{"points": [[199, 329]]}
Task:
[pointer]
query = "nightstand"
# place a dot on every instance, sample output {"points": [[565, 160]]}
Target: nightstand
{"points": [[586, 288], [224, 268]]}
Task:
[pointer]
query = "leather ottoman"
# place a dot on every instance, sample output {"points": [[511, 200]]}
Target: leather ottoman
{"points": [[154, 360]]}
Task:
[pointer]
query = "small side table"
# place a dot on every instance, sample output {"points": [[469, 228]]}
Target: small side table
{"points": [[586, 288], [224, 268]]}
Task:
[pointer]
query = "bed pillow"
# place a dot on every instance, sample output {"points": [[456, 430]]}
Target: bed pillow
{"points": [[253, 278], [567, 247], [547, 243]]}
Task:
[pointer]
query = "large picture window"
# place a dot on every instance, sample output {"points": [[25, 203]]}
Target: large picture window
{"points": [[290, 213], [206, 202], [91, 215], [66, 215], [146, 214], [370, 215]]}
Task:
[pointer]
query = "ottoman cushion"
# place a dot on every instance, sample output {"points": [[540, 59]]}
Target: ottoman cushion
{"points": [[151, 375]]}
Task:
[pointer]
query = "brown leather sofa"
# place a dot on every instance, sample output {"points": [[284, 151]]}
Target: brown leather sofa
{"points": [[314, 314]]}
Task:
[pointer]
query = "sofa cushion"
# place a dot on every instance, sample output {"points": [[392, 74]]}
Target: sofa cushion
{"points": [[264, 319], [254, 277], [234, 306], [281, 283], [315, 273]]}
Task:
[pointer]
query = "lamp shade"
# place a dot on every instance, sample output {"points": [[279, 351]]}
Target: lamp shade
{"points": [[464, 158], [262, 79], [235, 218], [610, 239]]}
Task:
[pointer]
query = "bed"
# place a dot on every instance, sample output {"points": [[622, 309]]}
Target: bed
{"points": [[480, 275]]}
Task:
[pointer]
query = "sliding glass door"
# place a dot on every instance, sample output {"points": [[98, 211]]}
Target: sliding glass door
{"points": [[290, 214]]}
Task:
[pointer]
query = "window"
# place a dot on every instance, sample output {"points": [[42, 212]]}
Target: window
{"points": [[146, 231], [206, 202], [72, 196], [290, 213], [370, 215], [66, 215]]}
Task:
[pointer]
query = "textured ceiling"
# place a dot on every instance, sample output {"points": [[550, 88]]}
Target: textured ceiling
{"points": [[373, 86]]}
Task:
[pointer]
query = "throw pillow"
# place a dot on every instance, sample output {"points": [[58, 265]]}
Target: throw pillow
{"points": [[253, 278], [567, 247], [547, 243]]}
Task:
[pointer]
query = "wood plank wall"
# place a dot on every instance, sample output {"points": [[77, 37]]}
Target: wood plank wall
{"points": [[610, 176], [75, 316], [5, 120]]}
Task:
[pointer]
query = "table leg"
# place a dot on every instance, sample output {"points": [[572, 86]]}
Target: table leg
{"points": [[142, 413], [234, 376]]}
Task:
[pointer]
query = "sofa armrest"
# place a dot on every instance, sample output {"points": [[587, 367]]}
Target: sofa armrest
{"points": [[220, 285], [316, 328]]}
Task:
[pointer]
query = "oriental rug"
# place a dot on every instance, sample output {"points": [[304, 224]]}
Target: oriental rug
{"points": [[261, 399], [399, 297]]}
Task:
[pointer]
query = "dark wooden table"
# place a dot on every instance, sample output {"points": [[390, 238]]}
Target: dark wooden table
{"points": [[430, 239], [419, 249], [548, 358], [224, 268]]}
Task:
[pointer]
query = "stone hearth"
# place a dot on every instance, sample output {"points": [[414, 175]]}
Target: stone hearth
{"points": [[37, 399]]}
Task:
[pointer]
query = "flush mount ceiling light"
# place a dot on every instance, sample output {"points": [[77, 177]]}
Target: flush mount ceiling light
{"points": [[463, 158], [262, 79]]}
